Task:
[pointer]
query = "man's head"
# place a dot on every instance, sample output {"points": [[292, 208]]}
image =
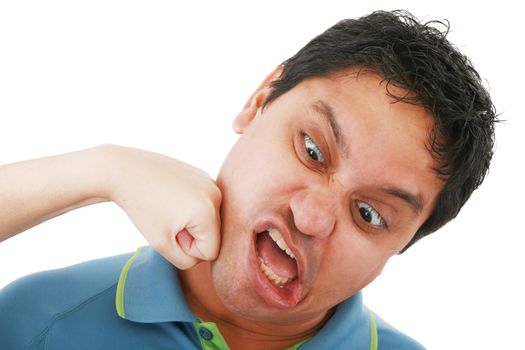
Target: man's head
{"points": [[433, 74], [370, 137]]}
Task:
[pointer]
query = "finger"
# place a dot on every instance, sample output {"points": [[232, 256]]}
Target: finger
{"points": [[176, 255], [206, 237], [184, 239]]}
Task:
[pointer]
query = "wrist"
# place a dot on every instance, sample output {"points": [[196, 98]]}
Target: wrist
{"points": [[102, 171]]}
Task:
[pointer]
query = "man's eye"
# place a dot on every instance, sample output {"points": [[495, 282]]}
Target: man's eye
{"points": [[370, 215], [312, 149]]}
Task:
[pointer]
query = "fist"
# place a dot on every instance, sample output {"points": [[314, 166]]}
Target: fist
{"points": [[174, 205]]}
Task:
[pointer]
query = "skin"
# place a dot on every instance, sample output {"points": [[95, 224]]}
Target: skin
{"points": [[269, 179]]}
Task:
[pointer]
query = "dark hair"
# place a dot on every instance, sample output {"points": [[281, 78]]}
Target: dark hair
{"points": [[418, 58]]}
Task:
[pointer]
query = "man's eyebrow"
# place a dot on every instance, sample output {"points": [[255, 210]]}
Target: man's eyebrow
{"points": [[415, 201], [326, 111]]}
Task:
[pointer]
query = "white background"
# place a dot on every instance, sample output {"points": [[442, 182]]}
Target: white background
{"points": [[170, 78]]}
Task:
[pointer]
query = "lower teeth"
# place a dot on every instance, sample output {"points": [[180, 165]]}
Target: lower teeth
{"points": [[272, 276]]}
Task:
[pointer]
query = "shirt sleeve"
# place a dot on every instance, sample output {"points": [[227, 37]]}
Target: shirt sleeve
{"points": [[24, 311], [30, 305]]}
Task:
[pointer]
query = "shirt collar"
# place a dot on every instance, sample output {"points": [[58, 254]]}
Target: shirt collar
{"points": [[149, 292], [348, 328]]}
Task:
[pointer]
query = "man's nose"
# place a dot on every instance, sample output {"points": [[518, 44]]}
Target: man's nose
{"points": [[314, 211]]}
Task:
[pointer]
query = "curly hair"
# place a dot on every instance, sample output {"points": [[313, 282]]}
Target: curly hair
{"points": [[418, 58]]}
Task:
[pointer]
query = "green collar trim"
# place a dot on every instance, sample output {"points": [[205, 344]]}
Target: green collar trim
{"points": [[122, 284], [373, 330], [211, 338], [296, 346]]}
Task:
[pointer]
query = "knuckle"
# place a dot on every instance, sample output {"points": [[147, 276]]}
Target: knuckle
{"points": [[215, 193], [213, 252], [184, 264], [199, 171], [208, 209]]}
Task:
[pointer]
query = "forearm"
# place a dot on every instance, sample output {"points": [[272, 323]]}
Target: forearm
{"points": [[34, 191]]}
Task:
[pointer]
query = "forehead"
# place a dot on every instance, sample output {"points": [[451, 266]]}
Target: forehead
{"points": [[360, 101]]}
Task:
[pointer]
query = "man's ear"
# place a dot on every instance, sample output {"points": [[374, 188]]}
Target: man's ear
{"points": [[255, 102]]}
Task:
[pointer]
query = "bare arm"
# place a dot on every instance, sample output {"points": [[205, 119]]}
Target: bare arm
{"points": [[34, 191], [174, 205]]}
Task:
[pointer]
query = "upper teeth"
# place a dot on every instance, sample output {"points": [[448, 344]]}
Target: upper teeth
{"points": [[278, 239]]}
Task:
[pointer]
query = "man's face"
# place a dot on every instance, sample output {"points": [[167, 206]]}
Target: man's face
{"points": [[337, 171]]}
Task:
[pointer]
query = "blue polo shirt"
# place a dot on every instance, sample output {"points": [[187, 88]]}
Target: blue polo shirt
{"points": [[134, 301]]}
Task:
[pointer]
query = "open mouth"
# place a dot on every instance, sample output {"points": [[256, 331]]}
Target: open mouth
{"points": [[278, 280], [276, 259]]}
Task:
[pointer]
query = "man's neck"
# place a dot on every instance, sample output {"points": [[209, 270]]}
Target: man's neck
{"points": [[239, 332]]}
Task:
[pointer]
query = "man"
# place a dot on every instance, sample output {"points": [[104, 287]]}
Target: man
{"points": [[369, 138]]}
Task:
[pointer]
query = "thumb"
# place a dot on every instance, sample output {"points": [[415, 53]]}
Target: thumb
{"points": [[185, 240], [202, 241]]}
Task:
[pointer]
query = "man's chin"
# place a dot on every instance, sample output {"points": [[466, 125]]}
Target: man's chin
{"points": [[241, 298], [255, 311]]}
